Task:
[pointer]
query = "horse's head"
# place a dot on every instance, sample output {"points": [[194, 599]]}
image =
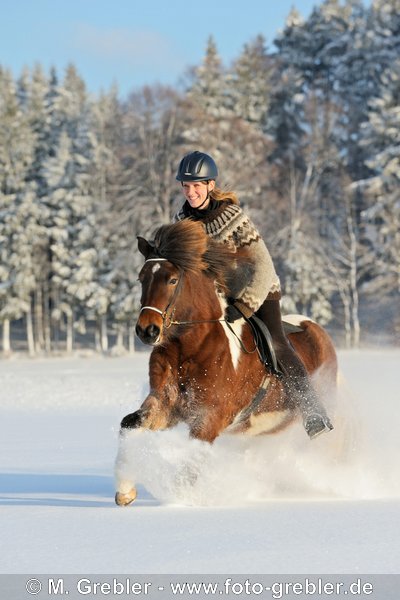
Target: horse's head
{"points": [[179, 252], [159, 279]]}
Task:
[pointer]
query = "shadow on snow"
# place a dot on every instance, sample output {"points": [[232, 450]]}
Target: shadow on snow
{"points": [[65, 490]]}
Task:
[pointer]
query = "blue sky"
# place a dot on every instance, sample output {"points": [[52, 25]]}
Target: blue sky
{"points": [[133, 42]]}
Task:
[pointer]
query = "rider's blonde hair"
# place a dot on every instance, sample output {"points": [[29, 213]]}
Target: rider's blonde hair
{"points": [[218, 194]]}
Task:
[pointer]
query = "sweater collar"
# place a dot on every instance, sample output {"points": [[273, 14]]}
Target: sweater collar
{"points": [[202, 214]]}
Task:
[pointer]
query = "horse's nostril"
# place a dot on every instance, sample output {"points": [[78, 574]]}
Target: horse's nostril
{"points": [[149, 334], [152, 332]]}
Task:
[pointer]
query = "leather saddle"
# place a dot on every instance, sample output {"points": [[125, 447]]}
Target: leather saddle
{"points": [[263, 340]]}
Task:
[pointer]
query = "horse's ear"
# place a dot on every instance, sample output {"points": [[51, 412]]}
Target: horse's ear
{"points": [[144, 247]]}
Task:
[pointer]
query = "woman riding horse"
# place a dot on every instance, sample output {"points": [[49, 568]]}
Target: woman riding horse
{"points": [[256, 289], [203, 370]]}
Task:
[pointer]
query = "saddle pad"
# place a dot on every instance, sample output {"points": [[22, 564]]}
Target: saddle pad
{"points": [[290, 328]]}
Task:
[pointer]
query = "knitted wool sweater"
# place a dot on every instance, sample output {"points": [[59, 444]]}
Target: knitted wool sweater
{"points": [[228, 224]]}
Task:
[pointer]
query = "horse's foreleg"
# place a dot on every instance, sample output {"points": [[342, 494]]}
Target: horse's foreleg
{"points": [[132, 421], [124, 484], [145, 417], [208, 428], [155, 413]]}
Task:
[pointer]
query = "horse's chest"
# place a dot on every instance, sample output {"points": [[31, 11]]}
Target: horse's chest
{"points": [[187, 374]]}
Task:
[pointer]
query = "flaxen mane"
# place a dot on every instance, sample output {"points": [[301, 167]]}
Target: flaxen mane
{"points": [[188, 247]]}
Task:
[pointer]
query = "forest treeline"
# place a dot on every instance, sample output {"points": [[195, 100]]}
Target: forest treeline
{"points": [[307, 132]]}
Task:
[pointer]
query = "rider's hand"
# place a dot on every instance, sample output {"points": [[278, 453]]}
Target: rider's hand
{"points": [[237, 309], [232, 314]]}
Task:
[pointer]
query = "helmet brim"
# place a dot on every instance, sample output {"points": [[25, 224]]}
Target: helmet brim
{"points": [[191, 177]]}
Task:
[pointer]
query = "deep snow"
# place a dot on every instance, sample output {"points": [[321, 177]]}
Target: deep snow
{"points": [[276, 504]]}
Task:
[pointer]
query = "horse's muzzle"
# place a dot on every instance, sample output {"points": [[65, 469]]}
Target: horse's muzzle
{"points": [[149, 334]]}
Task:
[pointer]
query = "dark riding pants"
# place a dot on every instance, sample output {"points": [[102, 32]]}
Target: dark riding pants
{"points": [[296, 378]]}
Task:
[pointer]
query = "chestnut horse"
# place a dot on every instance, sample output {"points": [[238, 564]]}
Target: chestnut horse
{"points": [[204, 371]]}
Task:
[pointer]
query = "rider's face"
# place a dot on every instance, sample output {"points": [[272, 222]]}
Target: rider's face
{"points": [[196, 193]]}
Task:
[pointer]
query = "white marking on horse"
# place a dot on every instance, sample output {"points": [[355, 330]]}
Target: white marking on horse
{"points": [[266, 422], [237, 326], [156, 267]]}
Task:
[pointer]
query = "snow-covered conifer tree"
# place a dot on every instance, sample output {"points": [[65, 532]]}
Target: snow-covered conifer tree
{"points": [[209, 86], [68, 174], [249, 83], [381, 140], [16, 151]]}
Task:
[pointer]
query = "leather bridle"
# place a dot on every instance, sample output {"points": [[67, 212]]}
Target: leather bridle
{"points": [[168, 319]]}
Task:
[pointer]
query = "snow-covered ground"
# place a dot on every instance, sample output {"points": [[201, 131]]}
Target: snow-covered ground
{"points": [[276, 504]]}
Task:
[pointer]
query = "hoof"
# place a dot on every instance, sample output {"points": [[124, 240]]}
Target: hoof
{"points": [[125, 499], [132, 421]]}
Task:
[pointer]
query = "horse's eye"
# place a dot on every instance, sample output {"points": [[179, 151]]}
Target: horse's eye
{"points": [[173, 281]]}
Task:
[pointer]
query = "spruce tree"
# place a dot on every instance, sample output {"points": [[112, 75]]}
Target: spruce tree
{"points": [[208, 88], [250, 83], [68, 174], [381, 135], [16, 152]]}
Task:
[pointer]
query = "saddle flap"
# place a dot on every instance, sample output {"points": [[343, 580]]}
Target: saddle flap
{"points": [[264, 343]]}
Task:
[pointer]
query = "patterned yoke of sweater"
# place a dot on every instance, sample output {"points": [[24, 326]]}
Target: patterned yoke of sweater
{"points": [[226, 223]]}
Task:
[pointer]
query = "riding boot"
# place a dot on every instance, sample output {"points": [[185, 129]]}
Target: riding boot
{"points": [[296, 379]]}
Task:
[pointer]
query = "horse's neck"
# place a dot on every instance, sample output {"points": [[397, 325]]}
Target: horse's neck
{"points": [[203, 301]]}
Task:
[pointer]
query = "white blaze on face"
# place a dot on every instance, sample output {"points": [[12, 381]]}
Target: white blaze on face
{"points": [[156, 267], [237, 326]]}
